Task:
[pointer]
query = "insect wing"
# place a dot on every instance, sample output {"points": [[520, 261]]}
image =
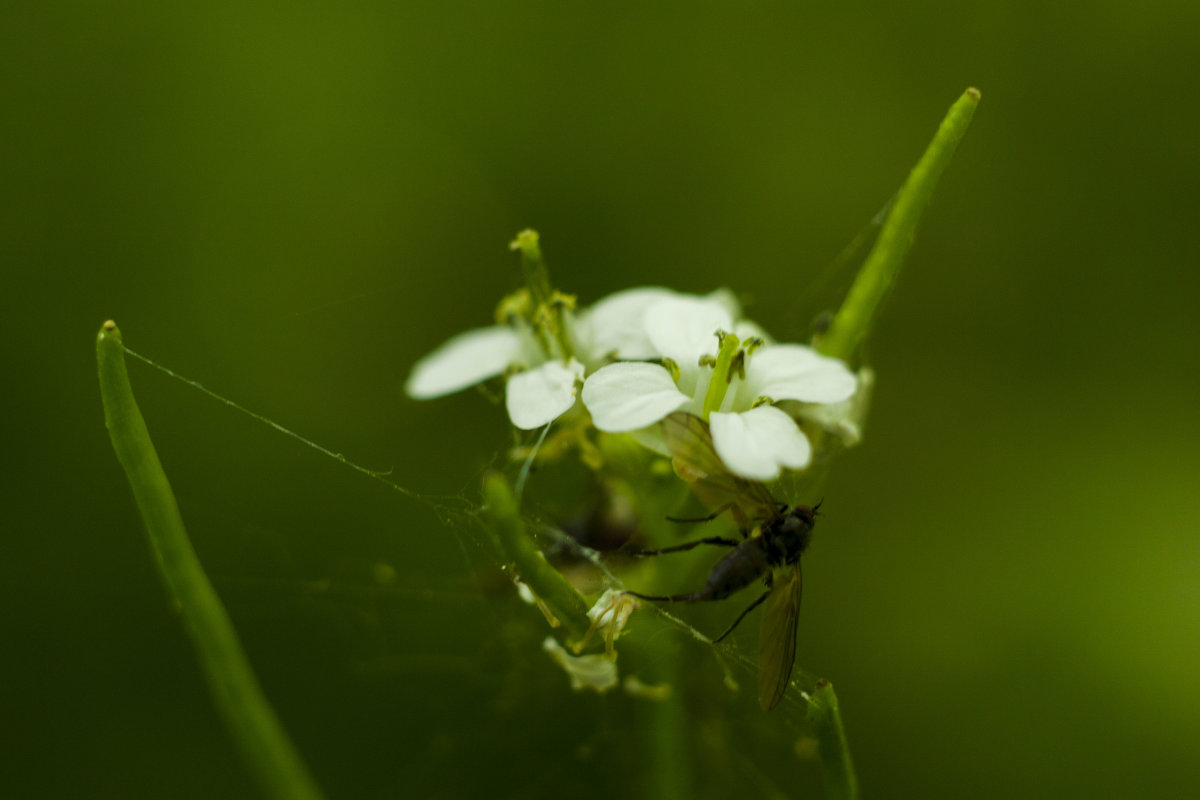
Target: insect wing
{"points": [[690, 443], [777, 637]]}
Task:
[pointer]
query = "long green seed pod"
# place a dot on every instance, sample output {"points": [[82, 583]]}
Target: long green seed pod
{"points": [[261, 738], [853, 320]]}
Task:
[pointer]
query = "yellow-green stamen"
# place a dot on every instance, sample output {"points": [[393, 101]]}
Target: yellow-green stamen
{"points": [[738, 365], [518, 305], [671, 367]]}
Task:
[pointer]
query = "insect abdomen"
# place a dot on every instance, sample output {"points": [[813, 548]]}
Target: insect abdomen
{"points": [[741, 567]]}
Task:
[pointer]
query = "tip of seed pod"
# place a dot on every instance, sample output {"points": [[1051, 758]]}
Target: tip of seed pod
{"points": [[109, 325], [974, 93]]}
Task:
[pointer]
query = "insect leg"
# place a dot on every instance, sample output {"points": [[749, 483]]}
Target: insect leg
{"points": [[679, 548], [709, 518], [742, 616], [694, 597]]}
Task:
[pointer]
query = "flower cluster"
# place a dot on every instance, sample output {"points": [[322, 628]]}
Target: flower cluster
{"points": [[727, 371], [543, 372], [645, 353]]}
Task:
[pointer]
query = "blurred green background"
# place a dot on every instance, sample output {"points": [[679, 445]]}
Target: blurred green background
{"points": [[292, 203]]}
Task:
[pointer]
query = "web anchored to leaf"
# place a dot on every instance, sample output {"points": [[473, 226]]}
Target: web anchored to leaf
{"points": [[448, 507], [465, 517]]}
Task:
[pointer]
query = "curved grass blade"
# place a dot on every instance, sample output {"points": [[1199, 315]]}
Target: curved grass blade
{"points": [[853, 320], [257, 731], [841, 783]]}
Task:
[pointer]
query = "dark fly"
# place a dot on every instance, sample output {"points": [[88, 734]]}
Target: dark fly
{"points": [[774, 535]]}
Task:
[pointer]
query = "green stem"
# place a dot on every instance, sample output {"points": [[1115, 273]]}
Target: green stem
{"points": [[853, 319], [840, 781], [252, 722], [544, 580], [669, 766]]}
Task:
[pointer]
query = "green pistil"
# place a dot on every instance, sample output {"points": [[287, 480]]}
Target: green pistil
{"points": [[536, 276], [545, 323], [723, 371], [549, 306]]}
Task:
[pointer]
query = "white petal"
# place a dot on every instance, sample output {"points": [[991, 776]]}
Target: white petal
{"points": [[614, 324], [727, 299], [612, 608], [540, 395], [683, 328], [846, 418], [745, 329], [597, 671], [627, 396], [796, 372], [836, 417], [757, 443], [464, 360]]}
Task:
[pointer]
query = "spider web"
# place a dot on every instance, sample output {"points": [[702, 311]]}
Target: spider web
{"points": [[457, 513]]}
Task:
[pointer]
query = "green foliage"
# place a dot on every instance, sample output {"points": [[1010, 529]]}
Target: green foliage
{"points": [[293, 205]]}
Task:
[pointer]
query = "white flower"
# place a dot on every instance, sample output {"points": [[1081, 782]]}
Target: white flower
{"points": [[542, 386], [609, 615], [542, 392], [754, 439]]}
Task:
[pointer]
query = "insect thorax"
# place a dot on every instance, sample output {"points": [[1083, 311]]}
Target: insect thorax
{"points": [[786, 537]]}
